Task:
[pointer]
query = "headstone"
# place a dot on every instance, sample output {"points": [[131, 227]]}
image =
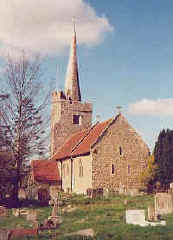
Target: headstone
{"points": [[22, 194], [163, 203], [151, 214], [32, 215], [3, 211], [133, 192], [122, 189], [5, 234], [135, 217], [106, 193], [19, 212], [54, 190]]}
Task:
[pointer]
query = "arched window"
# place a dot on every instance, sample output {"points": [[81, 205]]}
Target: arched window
{"points": [[80, 169], [63, 170], [120, 149], [128, 169], [113, 168], [67, 169]]}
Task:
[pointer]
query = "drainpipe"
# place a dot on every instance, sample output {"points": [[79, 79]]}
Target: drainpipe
{"points": [[61, 174], [71, 174]]}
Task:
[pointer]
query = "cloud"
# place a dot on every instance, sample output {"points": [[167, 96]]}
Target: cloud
{"points": [[46, 26], [159, 107]]}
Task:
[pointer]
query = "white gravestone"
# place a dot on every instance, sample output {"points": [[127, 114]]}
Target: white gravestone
{"points": [[137, 217]]}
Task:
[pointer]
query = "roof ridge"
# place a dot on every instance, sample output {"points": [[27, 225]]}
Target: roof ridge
{"points": [[111, 121], [81, 140]]}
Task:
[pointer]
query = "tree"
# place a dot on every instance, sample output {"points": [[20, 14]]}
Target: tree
{"points": [[149, 172], [163, 154], [23, 114]]}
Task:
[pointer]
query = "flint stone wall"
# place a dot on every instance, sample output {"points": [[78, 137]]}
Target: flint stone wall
{"points": [[122, 148], [62, 119]]}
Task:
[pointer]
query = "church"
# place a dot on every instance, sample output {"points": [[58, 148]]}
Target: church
{"points": [[109, 155]]}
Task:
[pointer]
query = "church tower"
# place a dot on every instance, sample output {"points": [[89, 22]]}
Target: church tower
{"points": [[69, 114]]}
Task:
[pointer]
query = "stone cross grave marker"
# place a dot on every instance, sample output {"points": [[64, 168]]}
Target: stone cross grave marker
{"points": [[163, 203]]}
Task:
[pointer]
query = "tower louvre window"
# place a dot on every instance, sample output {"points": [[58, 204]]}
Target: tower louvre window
{"points": [[77, 119]]}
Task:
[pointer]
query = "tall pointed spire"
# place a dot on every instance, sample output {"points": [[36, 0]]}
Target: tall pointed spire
{"points": [[72, 89]]}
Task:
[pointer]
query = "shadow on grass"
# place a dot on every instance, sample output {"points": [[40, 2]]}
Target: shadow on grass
{"points": [[10, 203]]}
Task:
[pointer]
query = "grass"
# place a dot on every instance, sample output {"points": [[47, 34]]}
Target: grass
{"points": [[105, 216]]}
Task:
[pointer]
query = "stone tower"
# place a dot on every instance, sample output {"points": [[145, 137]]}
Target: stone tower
{"points": [[69, 115]]}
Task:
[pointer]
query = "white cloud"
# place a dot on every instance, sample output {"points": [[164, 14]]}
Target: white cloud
{"points": [[46, 25], [159, 107]]}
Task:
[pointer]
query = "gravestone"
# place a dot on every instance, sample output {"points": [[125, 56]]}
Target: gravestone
{"points": [[5, 234], [163, 203], [3, 211], [151, 213], [135, 217], [31, 215], [106, 193], [54, 191], [133, 192], [22, 194]]}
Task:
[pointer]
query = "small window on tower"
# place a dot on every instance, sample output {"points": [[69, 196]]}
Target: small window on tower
{"points": [[128, 169], [120, 148], [113, 169], [76, 119]]}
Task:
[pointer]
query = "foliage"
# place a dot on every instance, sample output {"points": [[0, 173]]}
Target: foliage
{"points": [[23, 115], [106, 217], [149, 172], [163, 154]]}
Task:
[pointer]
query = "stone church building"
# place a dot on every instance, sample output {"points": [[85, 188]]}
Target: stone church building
{"points": [[109, 155]]}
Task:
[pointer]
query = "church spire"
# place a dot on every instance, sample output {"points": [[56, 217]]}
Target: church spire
{"points": [[72, 89]]}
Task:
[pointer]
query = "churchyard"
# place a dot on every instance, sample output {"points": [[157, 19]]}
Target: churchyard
{"points": [[101, 218]]}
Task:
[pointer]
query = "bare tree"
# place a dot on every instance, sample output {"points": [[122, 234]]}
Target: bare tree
{"points": [[23, 113]]}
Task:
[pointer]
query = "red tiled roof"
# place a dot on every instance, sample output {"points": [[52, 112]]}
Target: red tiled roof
{"points": [[80, 143], [45, 171]]}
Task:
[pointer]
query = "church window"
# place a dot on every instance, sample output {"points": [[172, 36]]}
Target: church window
{"points": [[63, 170], [76, 119], [67, 169], [128, 169], [120, 149], [113, 168], [80, 169]]}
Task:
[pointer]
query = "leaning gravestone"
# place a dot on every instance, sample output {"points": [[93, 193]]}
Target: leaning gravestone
{"points": [[163, 203], [3, 211]]}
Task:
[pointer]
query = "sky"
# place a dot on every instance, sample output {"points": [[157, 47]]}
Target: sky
{"points": [[125, 53]]}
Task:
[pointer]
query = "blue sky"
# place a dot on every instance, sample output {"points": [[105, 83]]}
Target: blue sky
{"points": [[125, 53]]}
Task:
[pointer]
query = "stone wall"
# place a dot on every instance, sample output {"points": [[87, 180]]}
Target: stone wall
{"points": [[119, 157], [81, 174], [62, 119]]}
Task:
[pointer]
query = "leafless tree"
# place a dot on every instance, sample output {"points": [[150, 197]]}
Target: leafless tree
{"points": [[23, 115]]}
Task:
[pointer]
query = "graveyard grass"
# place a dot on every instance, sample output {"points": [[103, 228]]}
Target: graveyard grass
{"points": [[105, 216]]}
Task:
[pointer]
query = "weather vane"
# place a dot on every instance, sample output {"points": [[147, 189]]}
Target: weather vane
{"points": [[119, 109], [74, 23]]}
